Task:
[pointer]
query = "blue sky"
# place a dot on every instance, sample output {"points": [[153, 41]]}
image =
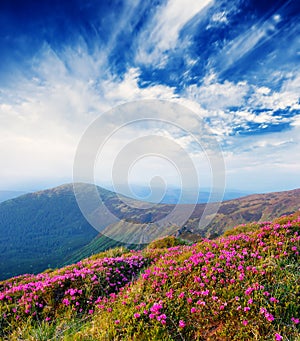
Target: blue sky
{"points": [[235, 63]]}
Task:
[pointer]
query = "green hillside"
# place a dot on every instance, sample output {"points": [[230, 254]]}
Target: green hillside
{"points": [[98, 244], [39, 230]]}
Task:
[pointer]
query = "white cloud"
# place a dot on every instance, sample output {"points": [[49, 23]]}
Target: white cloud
{"points": [[117, 91], [296, 120], [42, 123], [163, 31], [220, 17], [218, 96], [286, 97], [264, 160]]}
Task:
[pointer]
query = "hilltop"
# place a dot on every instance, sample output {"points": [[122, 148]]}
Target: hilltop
{"points": [[241, 286]]}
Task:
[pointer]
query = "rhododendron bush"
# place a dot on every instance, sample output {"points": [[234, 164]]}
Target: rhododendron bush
{"points": [[243, 286]]}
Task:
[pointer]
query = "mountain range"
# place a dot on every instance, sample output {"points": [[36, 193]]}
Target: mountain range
{"points": [[46, 229], [174, 195]]}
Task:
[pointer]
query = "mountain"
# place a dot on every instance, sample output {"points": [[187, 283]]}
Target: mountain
{"points": [[255, 207], [46, 229], [173, 195], [38, 230], [6, 195]]}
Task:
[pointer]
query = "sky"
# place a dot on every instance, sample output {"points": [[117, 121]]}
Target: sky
{"points": [[234, 63]]}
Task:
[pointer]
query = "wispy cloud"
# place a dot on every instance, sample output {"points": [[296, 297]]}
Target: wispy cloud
{"points": [[163, 31]]}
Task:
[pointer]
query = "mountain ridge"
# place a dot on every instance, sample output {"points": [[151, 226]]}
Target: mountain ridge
{"points": [[46, 228]]}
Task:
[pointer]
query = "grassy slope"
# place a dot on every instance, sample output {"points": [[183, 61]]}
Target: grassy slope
{"points": [[240, 287], [243, 286], [97, 245]]}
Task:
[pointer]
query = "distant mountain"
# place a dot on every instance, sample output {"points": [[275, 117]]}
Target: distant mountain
{"points": [[6, 195], [47, 229], [174, 195], [255, 207]]}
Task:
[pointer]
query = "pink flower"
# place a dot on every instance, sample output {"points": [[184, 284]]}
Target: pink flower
{"points": [[181, 295], [162, 318], [169, 294], [91, 311], [295, 320], [263, 310], [117, 321], [181, 324], [248, 291], [66, 302], [269, 317], [278, 337], [193, 310], [155, 308], [137, 315], [245, 322], [197, 279], [201, 302]]}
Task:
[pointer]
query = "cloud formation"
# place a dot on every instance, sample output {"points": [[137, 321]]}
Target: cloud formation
{"points": [[235, 64]]}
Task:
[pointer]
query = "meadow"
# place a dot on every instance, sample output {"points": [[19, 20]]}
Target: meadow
{"points": [[244, 285]]}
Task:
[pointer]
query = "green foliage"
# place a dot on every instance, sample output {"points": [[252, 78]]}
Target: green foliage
{"points": [[244, 228], [166, 242]]}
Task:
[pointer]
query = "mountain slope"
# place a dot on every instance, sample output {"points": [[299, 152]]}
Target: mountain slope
{"points": [[256, 207], [242, 286], [47, 229], [38, 230], [44, 229]]}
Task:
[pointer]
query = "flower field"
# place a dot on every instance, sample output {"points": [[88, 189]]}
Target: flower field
{"points": [[242, 286]]}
